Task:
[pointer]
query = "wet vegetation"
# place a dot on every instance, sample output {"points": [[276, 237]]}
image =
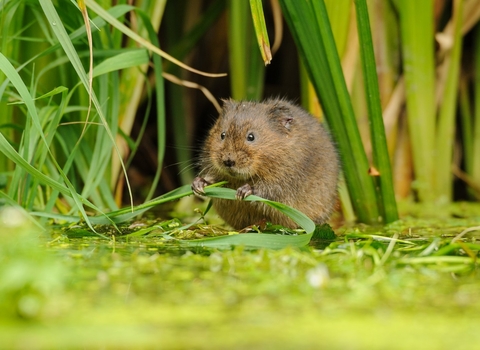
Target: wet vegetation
{"points": [[102, 244], [415, 277]]}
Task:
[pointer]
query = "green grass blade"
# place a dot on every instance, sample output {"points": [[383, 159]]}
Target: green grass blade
{"points": [[255, 241], [466, 124], [67, 45], [416, 27], [310, 28], [446, 122], [236, 43], [249, 240], [476, 122], [261, 30], [215, 192], [246, 70], [297, 216], [11, 153], [340, 21], [127, 59], [381, 160], [137, 38]]}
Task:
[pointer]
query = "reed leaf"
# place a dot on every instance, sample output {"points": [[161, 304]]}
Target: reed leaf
{"points": [[127, 59], [309, 20], [416, 28], [340, 22], [475, 161], [381, 160], [246, 71], [445, 137], [67, 45], [249, 240], [140, 40], [261, 30]]}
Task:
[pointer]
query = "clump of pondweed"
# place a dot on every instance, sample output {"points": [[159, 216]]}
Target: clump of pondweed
{"points": [[31, 279]]}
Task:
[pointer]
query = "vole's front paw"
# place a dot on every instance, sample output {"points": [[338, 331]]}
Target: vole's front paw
{"points": [[244, 191], [198, 186]]}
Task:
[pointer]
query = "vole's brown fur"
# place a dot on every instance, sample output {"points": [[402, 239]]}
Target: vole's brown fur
{"points": [[275, 150]]}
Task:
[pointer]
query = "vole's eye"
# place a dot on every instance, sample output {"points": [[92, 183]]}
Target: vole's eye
{"points": [[250, 137], [222, 135]]}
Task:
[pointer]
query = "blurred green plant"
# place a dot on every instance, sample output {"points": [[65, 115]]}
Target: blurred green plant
{"points": [[31, 279]]}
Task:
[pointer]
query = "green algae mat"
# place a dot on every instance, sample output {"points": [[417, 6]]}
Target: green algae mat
{"points": [[412, 284]]}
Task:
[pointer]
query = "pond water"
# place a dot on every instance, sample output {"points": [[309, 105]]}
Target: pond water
{"points": [[404, 285]]}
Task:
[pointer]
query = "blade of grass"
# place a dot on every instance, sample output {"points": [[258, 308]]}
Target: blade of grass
{"points": [[246, 70], [339, 15], [416, 27], [294, 214], [261, 30], [446, 122], [381, 160], [67, 45], [127, 59], [466, 116], [309, 24], [476, 122], [248, 240], [67, 189], [134, 36]]}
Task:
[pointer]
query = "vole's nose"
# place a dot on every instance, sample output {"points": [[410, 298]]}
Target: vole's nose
{"points": [[229, 162]]}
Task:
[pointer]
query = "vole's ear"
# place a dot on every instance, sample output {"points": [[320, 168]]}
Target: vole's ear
{"points": [[282, 114], [228, 105]]}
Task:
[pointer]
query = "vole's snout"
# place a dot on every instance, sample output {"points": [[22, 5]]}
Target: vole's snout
{"points": [[229, 162]]}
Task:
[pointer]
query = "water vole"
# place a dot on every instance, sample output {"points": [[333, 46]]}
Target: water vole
{"points": [[273, 149]]}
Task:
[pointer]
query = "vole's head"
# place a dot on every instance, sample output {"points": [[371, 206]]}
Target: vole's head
{"points": [[249, 138]]}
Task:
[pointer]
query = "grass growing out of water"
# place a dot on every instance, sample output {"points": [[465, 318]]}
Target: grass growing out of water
{"points": [[63, 156]]}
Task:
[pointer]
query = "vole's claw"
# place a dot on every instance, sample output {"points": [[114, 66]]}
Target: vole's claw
{"points": [[198, 186], [244, 191]]}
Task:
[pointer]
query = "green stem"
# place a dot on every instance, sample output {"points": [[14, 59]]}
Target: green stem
{"points": [[446, 121], [381, 160], [416, 25], [246, 67], [308, 20], [476, 122], [261, 30]]}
